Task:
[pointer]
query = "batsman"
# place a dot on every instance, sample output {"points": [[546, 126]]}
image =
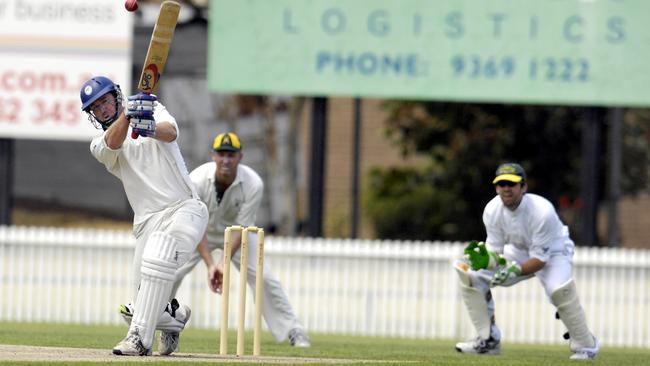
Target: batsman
{"points": [[525, 238], [169, 219]]}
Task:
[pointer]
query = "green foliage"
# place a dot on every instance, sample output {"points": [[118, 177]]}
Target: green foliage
{"points": [[466, 142], [395, 203], [636, 144], [404, 204]]}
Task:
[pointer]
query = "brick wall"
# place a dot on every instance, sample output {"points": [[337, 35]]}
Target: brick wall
{"points": [[634, 222]]}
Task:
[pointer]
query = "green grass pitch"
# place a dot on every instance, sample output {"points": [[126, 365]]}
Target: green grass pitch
{"points": [[376, 350]]}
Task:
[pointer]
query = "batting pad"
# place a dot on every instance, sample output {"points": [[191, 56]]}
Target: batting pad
{"points": [[170, 324], [565, 299], [480, 307], [157, 277], [462, 268], [166, 322]]}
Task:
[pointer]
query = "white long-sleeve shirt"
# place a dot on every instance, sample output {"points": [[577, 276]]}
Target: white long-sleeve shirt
{"points": [[239, 204], [533, 226], [153, 172]]}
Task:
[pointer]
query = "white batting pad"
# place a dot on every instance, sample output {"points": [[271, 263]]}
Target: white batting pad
{"points": [[565, 299], [166, 322], [462, 268], [157, 276], [480, 307], [176, 323]]}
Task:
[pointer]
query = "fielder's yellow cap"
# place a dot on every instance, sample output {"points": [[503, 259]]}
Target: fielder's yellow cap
{"points": [[227, 141], [511, 172]]}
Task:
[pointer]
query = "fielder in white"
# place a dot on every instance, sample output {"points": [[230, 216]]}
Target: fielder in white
{"points": [[169, 219], [525, 238], [233, 194]]}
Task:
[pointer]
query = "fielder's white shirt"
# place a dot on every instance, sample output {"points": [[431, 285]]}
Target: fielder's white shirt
{"points": [[239, 204], [534, 226], [153, 172]]}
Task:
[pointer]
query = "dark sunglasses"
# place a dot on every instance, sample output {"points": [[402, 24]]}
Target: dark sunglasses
{"points": [[506, 183]]}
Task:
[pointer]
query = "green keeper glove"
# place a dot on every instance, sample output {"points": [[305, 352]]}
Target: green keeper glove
{"points": [[479, 257], [506, 273]]}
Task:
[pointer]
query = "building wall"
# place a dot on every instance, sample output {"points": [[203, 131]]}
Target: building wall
{"points": [[634, 222]]}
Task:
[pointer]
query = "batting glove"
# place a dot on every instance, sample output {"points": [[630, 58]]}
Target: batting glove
{"points": [[479, 257], [508, 272], [140, 108]]}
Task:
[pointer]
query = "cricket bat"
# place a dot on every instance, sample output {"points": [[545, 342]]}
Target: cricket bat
{"points": [[161, 39]]}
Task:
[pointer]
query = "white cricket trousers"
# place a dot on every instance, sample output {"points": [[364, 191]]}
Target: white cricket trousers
{"points": [[276, 309], [555, 273]]}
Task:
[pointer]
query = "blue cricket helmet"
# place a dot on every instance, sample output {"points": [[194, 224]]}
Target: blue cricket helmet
{"points": [[94, 89]]}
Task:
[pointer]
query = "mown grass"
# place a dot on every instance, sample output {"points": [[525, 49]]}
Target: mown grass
{"points": [[396, 350]]}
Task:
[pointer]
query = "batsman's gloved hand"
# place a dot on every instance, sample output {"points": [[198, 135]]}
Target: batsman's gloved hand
{"points": [[139, 111], [479, 257], [506, 273]]}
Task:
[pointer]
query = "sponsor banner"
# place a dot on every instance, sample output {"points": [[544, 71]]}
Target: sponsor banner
{"points": [[47, 50], [568, 52]]}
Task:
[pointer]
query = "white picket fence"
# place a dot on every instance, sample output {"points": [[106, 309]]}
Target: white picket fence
{"points": [[377, 288]]}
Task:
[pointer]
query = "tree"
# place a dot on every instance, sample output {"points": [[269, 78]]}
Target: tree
{"points": [[466, 142]]}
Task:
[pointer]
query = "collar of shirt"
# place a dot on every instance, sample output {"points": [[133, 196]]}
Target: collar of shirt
{"points": [[213, 181]]}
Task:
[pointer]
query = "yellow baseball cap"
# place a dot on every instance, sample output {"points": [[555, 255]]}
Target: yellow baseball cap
{"points": [[511, 172], [227, 141]]}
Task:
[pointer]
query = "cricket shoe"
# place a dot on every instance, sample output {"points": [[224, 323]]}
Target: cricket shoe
{"points": [[586, 353], [490, 346], [298, 338], [169, 339], [131, 346]]}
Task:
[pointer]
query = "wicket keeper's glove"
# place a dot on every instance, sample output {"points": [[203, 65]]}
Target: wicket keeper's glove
{"points": [[479, 257], [506, 273]]}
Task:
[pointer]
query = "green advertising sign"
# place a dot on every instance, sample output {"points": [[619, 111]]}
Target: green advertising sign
{"points": [[567, 52]]}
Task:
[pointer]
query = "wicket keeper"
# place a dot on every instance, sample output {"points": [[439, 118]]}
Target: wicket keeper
{"points": [[525, 238]]}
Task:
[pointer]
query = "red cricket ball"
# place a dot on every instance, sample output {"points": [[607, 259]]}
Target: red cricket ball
{"points": [[131, 5]]}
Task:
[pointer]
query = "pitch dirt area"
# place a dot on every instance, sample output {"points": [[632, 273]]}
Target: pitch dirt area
{"points": [[61, 354]]}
